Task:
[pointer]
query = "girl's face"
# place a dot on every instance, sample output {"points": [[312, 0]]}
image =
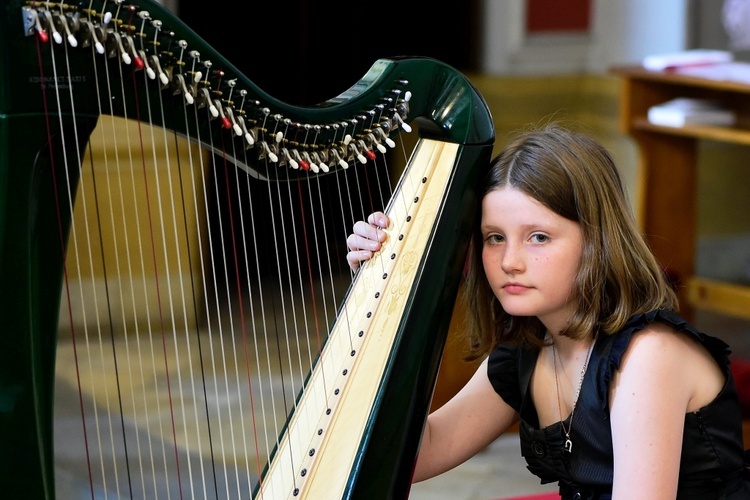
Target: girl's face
{"points": [[531, 256]]}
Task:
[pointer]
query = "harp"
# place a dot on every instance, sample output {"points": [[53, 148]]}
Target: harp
{"points": [[353, 358]]}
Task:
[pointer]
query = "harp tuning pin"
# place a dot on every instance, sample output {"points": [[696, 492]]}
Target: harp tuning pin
{"points": [[400, 121], [322, 164], [377, 143], [362, 159], [303, 164], [144, 60], [369, 153], [249, 138], [267, 152], [94, 35], [163, 78], [213, 110], [309, 161], [185, 91], [339, 160], [385, 137], [286, 157], [235, 126], [43, 36], [223, 118], [243, 129], [123, 53], [136, 58], [56, 36], [68, 35]]}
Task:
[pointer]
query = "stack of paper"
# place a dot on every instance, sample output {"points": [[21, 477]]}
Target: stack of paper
{"points": [[685, 111], [687, 58]]}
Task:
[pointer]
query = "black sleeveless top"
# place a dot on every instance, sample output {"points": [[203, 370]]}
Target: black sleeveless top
{"points": [[711, 466]]}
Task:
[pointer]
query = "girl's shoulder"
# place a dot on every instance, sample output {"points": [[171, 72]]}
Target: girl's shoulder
{"points": [[658, 328], [658, 340]]}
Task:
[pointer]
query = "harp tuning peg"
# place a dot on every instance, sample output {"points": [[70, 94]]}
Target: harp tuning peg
{"points": [[248, 136], [339, 160], [34, 19], [267, 152], [357, 154], [303, 164], [56, 36], [369, 153], [400, 122], [322, 164], [149, 70], [376, 142], [310, 161], [385, 137], [287, 157], [185, 91]]}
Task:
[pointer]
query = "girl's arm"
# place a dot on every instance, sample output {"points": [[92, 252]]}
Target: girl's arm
{"points": [[464, 426], [663, 376]]}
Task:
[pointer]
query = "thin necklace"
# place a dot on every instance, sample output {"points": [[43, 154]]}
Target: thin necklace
{"points": [[568, 443]]}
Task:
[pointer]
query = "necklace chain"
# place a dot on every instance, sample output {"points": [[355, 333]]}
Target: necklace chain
{"points": [[568, 443]]}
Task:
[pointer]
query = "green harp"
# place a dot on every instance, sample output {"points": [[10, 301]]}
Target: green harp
{"points": [[140, 174]]}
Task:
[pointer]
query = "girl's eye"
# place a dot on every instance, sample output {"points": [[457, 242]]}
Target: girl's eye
{"points": [[494, 238], [539, 238]]}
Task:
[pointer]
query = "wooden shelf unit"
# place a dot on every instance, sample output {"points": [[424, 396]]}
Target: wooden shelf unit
{"points": [[668, 172]]}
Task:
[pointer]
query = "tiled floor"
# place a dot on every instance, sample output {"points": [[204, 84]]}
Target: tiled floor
{"points": [[498, 472]]}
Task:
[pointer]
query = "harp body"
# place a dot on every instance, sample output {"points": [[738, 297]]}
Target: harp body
{"points": [[355, 424]]}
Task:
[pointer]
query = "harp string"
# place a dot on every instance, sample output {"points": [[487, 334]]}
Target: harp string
{"points": [[142, 357], [146, 252]]}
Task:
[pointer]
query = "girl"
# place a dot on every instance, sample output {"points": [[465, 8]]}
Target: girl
{"points": [[617, 395]]}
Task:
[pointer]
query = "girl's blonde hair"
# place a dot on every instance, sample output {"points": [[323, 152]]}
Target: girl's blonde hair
{"points": [[575, 177]]}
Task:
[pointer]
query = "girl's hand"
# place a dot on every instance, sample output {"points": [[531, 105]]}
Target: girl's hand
{"points": [[366, 239]]}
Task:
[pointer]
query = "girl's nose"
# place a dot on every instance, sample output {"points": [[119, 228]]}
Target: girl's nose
{"points": [[512, 261]]}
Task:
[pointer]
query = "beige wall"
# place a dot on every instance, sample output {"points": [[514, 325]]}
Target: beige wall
{"points": [[138, 201], [590, 102], [585, 102]]}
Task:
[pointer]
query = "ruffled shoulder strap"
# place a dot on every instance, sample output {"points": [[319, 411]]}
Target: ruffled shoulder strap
{"points": [[718, 348], [610, 349], [502, 370]]}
